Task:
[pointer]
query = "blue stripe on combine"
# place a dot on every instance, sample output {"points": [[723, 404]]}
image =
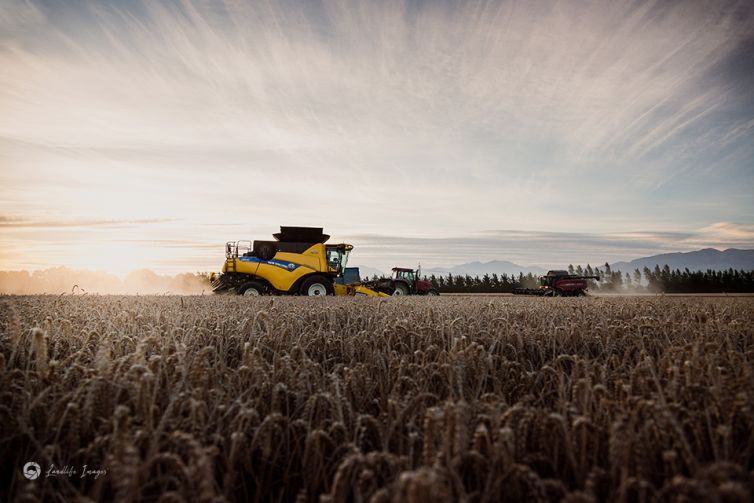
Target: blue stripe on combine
{"points": [[283, 264]]}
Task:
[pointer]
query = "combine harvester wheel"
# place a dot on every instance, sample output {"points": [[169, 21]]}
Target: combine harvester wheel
{"points": [[317, 286], [252, 289]]}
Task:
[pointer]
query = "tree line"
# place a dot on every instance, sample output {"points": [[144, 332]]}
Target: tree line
{"points": [[657, 280]]}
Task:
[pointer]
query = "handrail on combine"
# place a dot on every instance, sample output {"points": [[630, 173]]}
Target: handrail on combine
{"points": [[232, 248]]}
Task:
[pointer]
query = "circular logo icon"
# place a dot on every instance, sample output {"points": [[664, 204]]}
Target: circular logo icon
{"points": [[32, 470]]}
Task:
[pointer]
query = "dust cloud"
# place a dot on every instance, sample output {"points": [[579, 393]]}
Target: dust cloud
{"points": [[62, 280]]}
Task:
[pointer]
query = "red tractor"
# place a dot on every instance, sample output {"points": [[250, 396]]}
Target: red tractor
{"points": [[558, 284], [403, 282]]}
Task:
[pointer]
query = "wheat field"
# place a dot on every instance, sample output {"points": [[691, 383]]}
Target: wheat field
{"points": [[214, 399]]}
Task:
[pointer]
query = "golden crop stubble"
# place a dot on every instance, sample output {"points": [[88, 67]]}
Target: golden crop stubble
{"points": [[410, 398]]}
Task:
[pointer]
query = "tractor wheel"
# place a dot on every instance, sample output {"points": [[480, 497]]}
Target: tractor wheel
{"points": [[316, 286], [433, 292], [265, 251], [400, 289], [252, 289]]}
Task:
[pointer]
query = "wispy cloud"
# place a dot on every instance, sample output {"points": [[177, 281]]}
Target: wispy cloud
{"points": [[546, 248], [427, 118], [726, 234], [17, 223]]}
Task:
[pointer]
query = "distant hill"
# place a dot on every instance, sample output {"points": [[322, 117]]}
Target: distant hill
{"points": [[481, 268], [701, 260]]}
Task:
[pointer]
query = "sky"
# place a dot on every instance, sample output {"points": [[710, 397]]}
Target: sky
{"points": [[146, 134]]}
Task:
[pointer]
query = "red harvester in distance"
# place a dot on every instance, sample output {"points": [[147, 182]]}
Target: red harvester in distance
{"points": [[558, 284]]}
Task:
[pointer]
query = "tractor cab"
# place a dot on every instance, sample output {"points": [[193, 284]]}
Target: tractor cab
{"points": [[404, 274]]}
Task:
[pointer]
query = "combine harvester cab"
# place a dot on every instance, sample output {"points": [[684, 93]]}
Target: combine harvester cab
{"points": [[298, 262], [558, 284]]}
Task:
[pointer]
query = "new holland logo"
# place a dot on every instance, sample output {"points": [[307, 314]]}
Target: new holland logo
{"points": [[289, 266]]}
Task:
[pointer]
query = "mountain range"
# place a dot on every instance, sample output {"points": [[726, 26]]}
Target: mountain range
{"points": [[700, 260]]}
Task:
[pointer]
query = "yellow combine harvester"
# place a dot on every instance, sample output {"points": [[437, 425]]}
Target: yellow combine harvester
{"points": [[298, 262]]}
